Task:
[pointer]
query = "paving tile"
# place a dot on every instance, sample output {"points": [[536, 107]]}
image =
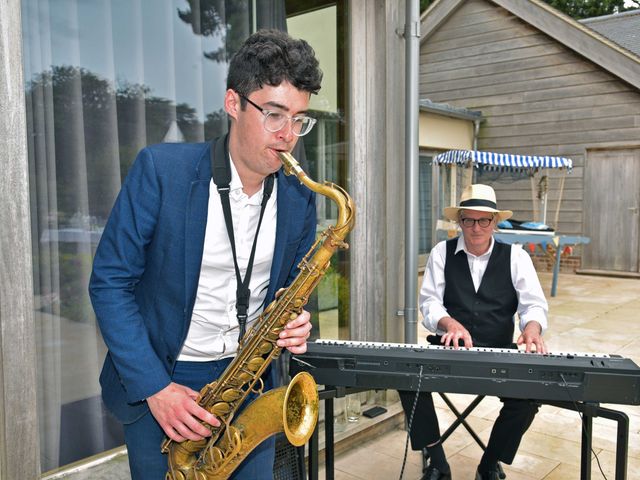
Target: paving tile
{"points": [[564, 471], [589, 314], [362, 464]]}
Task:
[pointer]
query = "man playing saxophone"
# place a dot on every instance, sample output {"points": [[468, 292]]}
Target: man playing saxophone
{"points": [[185, 265]]}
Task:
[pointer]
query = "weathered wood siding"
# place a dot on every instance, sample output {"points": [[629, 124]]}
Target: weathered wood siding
{"points": [[19, 427], [537, 97]]}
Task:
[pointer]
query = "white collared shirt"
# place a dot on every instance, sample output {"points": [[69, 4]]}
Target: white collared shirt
{"points": [[532, 304], [213, 333]]}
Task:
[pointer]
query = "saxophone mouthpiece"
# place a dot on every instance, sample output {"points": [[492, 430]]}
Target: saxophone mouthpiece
{"points": [[290, 164]]}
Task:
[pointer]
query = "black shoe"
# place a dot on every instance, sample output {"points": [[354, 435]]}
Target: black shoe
{"points": [[433, 473], [491, 475]]}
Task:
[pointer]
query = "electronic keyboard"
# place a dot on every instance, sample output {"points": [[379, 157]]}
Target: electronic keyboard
{"points": [[577, 377]]}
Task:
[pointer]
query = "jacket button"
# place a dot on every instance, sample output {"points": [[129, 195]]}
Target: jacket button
{"points": [[169, 359]]}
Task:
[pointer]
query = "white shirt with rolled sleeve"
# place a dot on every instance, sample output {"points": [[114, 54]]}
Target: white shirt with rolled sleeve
{"points": [[532, 304]]}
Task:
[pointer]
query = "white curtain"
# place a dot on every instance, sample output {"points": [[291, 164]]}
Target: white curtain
{"points": [[103, 79]]}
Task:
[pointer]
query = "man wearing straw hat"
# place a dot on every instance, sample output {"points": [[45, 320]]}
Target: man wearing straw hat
{"points": [[472, 288]]}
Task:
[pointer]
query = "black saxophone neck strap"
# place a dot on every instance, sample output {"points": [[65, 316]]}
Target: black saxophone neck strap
{"points": [[221, 172]]}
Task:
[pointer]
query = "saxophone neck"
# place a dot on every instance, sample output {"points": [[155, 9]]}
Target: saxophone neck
{"points": [[346, 207]]}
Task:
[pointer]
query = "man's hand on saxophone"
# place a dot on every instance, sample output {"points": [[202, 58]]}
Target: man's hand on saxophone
{"points": [[295, 334], [177, 411]]}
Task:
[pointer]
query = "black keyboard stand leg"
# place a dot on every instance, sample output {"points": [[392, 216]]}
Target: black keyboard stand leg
{"points": [[585, 445], [313, 455], [461, 420], [329, 439], [589, 411], [622, 438]]}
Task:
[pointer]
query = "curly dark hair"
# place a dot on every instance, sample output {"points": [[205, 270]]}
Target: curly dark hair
{"points": [[269, 57]]}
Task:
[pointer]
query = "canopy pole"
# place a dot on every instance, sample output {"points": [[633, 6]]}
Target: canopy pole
{"points": [[543, 191], [557, 216], [453, 186], [533, 197], [412, 57]]}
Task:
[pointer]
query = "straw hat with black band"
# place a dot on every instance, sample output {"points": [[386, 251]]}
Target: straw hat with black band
{"points": [[477, 197]]}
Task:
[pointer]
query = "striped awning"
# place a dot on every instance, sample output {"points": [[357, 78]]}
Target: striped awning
{"points": [[502, 160]]}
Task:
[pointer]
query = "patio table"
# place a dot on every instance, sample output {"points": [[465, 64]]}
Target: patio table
{"points": [[545, 239]]}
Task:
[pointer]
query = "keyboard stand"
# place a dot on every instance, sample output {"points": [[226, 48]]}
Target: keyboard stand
{"points": [[461, 420], [588, 411], [327, 394]]}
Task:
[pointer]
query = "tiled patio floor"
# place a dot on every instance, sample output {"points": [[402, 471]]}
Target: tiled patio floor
{"points": [[589, 314]]}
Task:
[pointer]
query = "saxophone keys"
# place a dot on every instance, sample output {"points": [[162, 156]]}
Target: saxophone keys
{"points": [[274, 334], [175, 475], [255, 363], [265, 347], [221, 408], [293, 316], [214, 458], [195, 474], [230, 395], [234, 437], [269, 308]]}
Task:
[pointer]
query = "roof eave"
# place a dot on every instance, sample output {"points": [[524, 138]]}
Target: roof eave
{"points": [[578, 37], [574, 35], [449, 110]]}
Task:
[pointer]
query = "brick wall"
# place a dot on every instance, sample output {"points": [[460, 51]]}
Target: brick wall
{"points": [[545, 263]]}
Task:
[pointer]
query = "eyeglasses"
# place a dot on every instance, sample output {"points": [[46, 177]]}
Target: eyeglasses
{"points": [[470, 222], [275, 121]]}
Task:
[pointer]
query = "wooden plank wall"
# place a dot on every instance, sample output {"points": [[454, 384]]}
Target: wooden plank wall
{"points": [[537, 96], [19, 428]]}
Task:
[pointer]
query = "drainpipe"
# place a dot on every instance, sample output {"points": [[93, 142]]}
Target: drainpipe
{"points": [[412, 52], [476, 129]]}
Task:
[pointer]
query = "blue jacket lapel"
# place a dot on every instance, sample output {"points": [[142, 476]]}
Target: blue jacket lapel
{"points": [[195, 226], [282, 231]]}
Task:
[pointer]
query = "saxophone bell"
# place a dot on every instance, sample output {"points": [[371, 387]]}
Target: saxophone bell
{"points": [[300, 409]]}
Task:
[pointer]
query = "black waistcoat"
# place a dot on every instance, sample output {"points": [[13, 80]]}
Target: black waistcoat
{"points": [[487, 314]]}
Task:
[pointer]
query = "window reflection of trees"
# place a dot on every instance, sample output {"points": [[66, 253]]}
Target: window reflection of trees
{"points": [[213, 18], [86, 125], [136, 108]]}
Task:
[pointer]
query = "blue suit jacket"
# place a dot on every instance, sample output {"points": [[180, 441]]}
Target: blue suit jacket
{"points": [[146, 268]]}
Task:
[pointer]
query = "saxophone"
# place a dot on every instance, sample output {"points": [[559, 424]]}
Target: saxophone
{"points": [[293, 408]]}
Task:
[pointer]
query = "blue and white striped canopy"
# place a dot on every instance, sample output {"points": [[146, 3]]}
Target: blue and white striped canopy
{"points": [[502, 160]]}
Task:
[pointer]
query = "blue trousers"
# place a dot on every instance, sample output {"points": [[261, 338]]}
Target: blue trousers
{"points": [[144, 436]]}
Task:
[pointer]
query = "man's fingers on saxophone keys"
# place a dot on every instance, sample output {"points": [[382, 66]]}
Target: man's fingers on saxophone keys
{"points": [[205, 416], [173, 434], [298, 349], [188, 425], [296, 332], [302, 320]]}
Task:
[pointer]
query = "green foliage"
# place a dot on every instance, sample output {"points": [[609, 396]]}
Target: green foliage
{"points": [[579, 9], [212, 18], [424, 4]]}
